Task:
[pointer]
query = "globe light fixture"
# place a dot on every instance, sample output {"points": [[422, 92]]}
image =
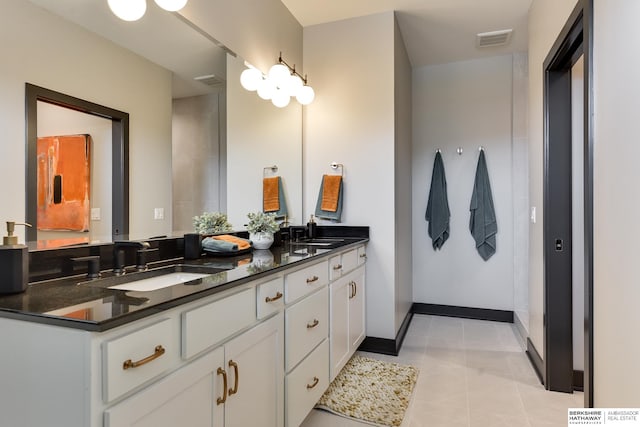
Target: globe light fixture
{"points": [[250, 79], [171, 5], [128, 10], [305, 95], [281, 83]]}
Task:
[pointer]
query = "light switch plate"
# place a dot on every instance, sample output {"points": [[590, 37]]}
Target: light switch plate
{"points": [[158, 213], [95, 214], [533, 214]]}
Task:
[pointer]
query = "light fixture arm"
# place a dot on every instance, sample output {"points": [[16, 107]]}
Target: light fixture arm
{"points": [[292, 69]]}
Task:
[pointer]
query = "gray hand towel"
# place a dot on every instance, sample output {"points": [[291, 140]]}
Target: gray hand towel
{"points": [[438, 205], [483, 223]]}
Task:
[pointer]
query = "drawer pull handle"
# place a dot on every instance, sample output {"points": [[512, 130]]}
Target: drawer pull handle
{"points": [[363, 255], [337, 267], [312, 279], [223, 399], [272, 299], [352, 292], [355, 289], [315, 382], [315, 323], [159, 351], [234, 365]]}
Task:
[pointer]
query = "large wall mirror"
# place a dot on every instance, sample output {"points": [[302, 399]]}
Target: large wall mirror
{"points": [[198, 142]]}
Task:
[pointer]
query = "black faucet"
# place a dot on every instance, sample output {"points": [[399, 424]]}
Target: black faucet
{"points": [[119, 255]]}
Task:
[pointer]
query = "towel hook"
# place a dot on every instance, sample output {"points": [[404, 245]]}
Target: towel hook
{"points": [[335, 165], [481, 148], [265, 170], [459, 151]]}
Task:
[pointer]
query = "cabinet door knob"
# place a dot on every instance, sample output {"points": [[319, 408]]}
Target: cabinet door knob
{"points": [[234, 365], [276, 298], [315, 323], [315, 382], [312, 279], [223, 399], [158, 351]]}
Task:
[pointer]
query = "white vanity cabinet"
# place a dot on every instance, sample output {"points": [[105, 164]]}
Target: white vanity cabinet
{"points": [[216, 389], [257, 354], [347, 307]]}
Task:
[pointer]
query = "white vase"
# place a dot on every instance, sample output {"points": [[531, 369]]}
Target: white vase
{"points": [[261, 240]]}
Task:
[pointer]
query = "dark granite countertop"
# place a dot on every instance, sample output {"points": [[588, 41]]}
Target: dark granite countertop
{"points": [[78, 303]]}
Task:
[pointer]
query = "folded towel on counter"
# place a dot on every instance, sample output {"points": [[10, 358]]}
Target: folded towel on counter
{"points": [[483, 224], [218, 245], [270, 194], [225, 243], [438, 213], [273, 200], [333, 215]]}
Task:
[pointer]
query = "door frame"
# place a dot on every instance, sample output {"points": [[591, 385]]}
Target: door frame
{"points": [[575, 39]]}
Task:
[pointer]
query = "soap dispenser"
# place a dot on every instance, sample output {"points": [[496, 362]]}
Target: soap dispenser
{"points": [[14, 262], [311, 228]]}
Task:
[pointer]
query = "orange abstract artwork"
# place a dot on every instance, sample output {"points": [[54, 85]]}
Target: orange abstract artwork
{"points": [[63, 182]]}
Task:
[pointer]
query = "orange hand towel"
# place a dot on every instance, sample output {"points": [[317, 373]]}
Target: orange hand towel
{"points": [[242, 243], [270, 195], [330, 192]]}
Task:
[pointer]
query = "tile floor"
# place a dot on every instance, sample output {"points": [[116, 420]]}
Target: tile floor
{"points": [[473, 373]]}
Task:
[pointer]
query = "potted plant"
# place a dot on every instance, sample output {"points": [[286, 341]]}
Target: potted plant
{"points": [[261, 227], [212, 223]]}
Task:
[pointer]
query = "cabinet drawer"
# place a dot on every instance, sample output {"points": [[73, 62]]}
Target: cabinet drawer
{"points": [[335, 267], [135, 358], [270, 297], [349, 260], [205, 326], [305, 281], [362, 255], [305, 385], [306, 325]]}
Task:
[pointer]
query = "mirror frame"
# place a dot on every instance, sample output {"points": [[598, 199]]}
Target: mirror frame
{"points": [[119, 159]]}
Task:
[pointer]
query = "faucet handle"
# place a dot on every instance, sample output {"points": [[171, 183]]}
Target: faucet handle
{"points": [[141, 258], [93, 265]]}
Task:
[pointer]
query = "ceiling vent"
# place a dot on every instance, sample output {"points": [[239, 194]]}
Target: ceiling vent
{"points": [[210, 80], [494, 38]]}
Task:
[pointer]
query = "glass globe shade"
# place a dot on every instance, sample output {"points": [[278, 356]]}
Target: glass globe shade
{"points": [[250, 79], [280, 98], [171, 5], [279, 75], [266, 89], [295, 84], [128, 10], [305, 95]]}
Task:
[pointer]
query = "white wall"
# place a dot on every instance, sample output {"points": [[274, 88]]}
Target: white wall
{"points": [[54, 121], [351, 121], [520, 188], [402, 167], [70, 60], [616, 203], [463, 104], [260, 135], [257, 30], [546, 19], [196, 159]]}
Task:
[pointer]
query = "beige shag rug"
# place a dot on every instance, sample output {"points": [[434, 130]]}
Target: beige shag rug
{"points": [[371, 390]]}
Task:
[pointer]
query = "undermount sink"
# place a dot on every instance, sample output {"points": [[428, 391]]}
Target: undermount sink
{"points": [[152, 280], [318, 242], [159, 282]]}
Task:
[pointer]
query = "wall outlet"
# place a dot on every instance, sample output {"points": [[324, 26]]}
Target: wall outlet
{"points": [[158, 213], [95, 214]]}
